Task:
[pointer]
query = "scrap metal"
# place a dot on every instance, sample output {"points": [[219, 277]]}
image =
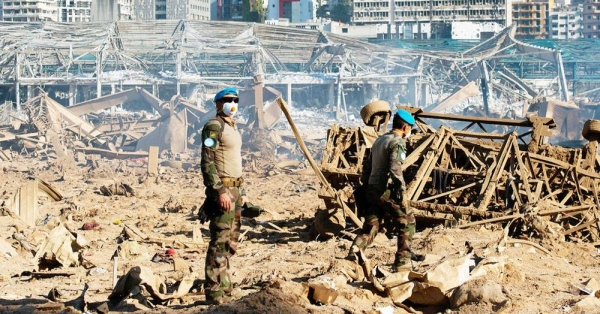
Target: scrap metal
{"points": [[503, 170]]}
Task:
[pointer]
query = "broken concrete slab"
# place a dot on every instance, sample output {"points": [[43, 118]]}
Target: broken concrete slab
{"points": [[450, 273], [589, 304], [427, 294], [478, 291]]}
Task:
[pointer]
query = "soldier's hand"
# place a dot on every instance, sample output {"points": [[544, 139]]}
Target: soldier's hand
{"points": [[225, 202]]}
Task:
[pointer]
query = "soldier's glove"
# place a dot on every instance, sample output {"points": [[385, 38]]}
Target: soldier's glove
{"points": [[202, 215]]}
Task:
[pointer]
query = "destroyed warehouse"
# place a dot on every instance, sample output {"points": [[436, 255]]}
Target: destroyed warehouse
{"points": [[506, 141]]}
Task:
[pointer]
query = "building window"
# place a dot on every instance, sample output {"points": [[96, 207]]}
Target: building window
{"points": [[345, 30]]}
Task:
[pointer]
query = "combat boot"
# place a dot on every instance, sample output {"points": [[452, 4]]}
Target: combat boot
{"points": [[353, 253], [401, 263]]}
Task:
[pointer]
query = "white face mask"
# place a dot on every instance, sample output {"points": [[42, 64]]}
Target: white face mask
{"points": [[230, 108], [407, 135]]}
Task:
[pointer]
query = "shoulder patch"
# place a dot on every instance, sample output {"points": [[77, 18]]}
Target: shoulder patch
{"points": [[209, 142], [403, 156], [211, 133]]}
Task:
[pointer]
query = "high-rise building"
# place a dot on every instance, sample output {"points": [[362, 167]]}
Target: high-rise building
{"points": [[566, 22], [230, 10], [591, 19], [437, 14], [29, 10], [171, 10], [308, 10], [532, 17], [243, 10], [74, 10], [290, 9], [111, 10]]}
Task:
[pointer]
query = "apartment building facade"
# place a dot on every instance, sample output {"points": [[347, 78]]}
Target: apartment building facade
{"points": [[73, 11], [532, 18], [29, 10], [171, 10], [566, 23], [230, 10], [591, 19], [437, 14], [295, 11]]}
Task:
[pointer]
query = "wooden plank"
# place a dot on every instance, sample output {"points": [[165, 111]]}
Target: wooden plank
{"points": [[596, 208], [491, 180], [567, 197], [448, 192], [153, 160], [497, 121], [547, 183], [523, 170], [580, 227], [426, 168], [466, 151], [416, 153]]}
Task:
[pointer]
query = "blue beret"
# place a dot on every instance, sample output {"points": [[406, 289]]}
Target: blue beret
{"points": [[405, 116], [225, 92]]}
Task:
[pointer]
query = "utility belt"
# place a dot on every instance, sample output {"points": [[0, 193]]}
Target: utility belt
{"points": [[229, 182]]}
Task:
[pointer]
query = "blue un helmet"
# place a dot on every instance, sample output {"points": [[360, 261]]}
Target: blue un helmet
{"points": [[406, 116], [227, 91]]}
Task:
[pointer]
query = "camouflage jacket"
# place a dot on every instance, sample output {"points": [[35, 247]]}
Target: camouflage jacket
{"points": [[385, 161], [213, 143]]}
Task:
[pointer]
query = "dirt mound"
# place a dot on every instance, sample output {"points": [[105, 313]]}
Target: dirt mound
{"points": [[267, 300]]}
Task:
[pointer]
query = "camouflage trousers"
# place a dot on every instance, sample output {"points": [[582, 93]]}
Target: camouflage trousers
{"points": [[224, 233], [380, 208]]}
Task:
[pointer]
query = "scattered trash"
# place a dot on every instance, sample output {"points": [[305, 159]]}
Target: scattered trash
{"points": [[117, 189], [132, 250], [90, 225]]}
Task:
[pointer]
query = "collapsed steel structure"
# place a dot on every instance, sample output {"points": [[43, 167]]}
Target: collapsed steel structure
{"points": [[459, 176], [79, 62]]}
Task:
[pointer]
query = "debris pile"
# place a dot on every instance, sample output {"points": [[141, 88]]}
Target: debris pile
{"points": [[464, 178]]}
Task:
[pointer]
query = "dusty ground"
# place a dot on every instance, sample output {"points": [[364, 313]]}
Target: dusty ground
{"points": [[270, 263]]}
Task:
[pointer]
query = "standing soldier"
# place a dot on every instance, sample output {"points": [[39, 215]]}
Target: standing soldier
{"points": [[222, 173], [385, 162]]}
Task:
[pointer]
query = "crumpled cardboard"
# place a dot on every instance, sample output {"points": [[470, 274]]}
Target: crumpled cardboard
{"points": [[433, 286], [61, 246]]}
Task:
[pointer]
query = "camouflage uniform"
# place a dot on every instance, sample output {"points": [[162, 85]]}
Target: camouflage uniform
{"points": [[387, 156], [224, 226]]}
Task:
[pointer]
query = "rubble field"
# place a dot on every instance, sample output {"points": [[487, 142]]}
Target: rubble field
{"points": [[113, 208]]}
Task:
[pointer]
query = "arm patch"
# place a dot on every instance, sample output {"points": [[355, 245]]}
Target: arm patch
{"points": [[210, 135]]}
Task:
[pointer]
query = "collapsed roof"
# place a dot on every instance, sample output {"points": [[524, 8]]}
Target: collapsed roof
{"points": [[181, 52]]}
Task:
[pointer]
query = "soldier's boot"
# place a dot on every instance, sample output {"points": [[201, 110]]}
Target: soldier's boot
{"points": [[216, 297], [353, 253], [402, 262]]}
